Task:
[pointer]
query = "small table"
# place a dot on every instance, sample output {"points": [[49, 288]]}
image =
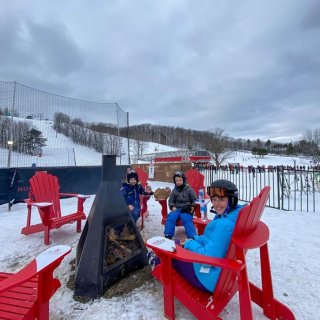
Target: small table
{"points": [[164, 209], [201, 224], [144, 207], [197, 209]]}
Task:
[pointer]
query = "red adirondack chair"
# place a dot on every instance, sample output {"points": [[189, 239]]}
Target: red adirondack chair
{"points": [[249, 233], [44, 194], [26, 294], [195, 180], [143, 179]]}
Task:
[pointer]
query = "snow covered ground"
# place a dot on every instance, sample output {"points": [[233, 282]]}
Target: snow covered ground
{"points": [[294, 246], [247, 159], [294, 251]]}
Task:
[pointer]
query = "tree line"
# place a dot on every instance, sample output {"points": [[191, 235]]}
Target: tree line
{"points": [[221, 145], [102, 137]]}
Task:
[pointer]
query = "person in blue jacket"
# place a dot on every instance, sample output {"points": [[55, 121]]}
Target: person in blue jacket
{"points": [[215, 240], [216, 237], [131, 191]]}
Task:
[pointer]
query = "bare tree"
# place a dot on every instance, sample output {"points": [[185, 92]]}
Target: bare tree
{"points": [[218, 146], [313, 139], [138, 148], [312, 136]]}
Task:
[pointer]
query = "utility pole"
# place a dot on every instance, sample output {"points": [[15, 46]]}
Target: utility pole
{"points": [[10, 143], [128, 139]]}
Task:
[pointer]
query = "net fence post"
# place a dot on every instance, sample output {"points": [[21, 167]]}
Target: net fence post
{"points": [[128, 138]]}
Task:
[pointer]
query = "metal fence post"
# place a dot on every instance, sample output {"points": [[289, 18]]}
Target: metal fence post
{"points": [[279, 187]]}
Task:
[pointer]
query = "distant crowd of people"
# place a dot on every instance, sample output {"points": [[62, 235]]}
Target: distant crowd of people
{"points": [[236, 168]]}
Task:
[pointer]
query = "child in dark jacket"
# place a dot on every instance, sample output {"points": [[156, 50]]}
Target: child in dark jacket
{"points": [[131, 191], [182, 204]]}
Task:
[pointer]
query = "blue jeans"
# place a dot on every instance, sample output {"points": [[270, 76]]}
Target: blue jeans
{"points": [[186, 219], [135, 213]]}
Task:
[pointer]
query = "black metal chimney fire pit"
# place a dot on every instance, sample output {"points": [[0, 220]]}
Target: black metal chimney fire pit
{"points": [[110, 246]]}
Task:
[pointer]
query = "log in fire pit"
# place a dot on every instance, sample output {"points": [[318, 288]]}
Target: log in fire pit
{"points": [[110, 246]]}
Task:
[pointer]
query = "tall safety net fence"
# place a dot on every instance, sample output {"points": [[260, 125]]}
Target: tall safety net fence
{"points": [[41, 129]]}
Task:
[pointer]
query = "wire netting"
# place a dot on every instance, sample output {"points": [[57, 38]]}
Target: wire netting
{"points": [[39, 128]]}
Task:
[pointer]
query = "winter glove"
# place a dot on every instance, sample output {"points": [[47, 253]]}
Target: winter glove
{"points": [[186, 209], [148, 191]]}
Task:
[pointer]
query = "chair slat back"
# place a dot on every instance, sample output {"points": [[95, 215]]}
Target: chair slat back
{"points": [[45, 188], [248, 219], [195, 180], [247, 222], [143, 176]]}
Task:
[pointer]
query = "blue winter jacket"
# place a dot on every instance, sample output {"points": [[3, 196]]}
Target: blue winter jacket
{"points": [[131, 193], [214, 243]]}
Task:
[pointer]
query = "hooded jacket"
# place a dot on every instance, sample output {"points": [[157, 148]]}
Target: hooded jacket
{"points": [[131, 193], [213, 243], [182, 199]]}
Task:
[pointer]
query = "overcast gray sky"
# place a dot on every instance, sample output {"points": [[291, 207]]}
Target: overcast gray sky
{"points": [[250, 67]]}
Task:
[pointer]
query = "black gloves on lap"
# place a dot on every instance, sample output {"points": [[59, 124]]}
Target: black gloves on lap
{"points": [[187, 208]]}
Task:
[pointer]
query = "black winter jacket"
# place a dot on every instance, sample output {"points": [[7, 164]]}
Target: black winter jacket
{"points": [[183, 199]]}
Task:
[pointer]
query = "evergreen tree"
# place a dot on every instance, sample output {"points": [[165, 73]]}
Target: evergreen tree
{"points": [[33, 141]]}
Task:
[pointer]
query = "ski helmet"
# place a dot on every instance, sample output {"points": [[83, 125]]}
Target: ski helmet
{"points": [[181, 175], [224, 188], [132, 174]]}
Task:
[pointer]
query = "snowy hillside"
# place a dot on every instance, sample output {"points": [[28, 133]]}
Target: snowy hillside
{"points": [[61, 150]]}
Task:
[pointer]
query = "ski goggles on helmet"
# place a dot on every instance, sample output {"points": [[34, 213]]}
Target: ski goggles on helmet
{"points": [[218, 192], [178, 174]]}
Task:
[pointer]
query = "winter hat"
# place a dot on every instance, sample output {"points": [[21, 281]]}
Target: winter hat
{"points": [[181, 175], [132, 174], [224, 188]]}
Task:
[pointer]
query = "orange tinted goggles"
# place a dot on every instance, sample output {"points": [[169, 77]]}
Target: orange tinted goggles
{"points": [[219, 192]]}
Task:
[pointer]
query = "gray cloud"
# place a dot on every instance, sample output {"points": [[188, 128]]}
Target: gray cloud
{"points": [[249, 67]]}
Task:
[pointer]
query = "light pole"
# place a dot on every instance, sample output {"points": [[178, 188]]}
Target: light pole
{"points": [[10, 143]]}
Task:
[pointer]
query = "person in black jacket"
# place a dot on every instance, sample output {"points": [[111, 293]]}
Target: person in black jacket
{"points": [[182, 204]]}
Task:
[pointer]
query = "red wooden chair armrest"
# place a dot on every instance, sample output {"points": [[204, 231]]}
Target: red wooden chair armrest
{"points": [[189, 256], [81, 199], [256, 239], [76, 195], [47, 260], [44, 209], [39, 204]]}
